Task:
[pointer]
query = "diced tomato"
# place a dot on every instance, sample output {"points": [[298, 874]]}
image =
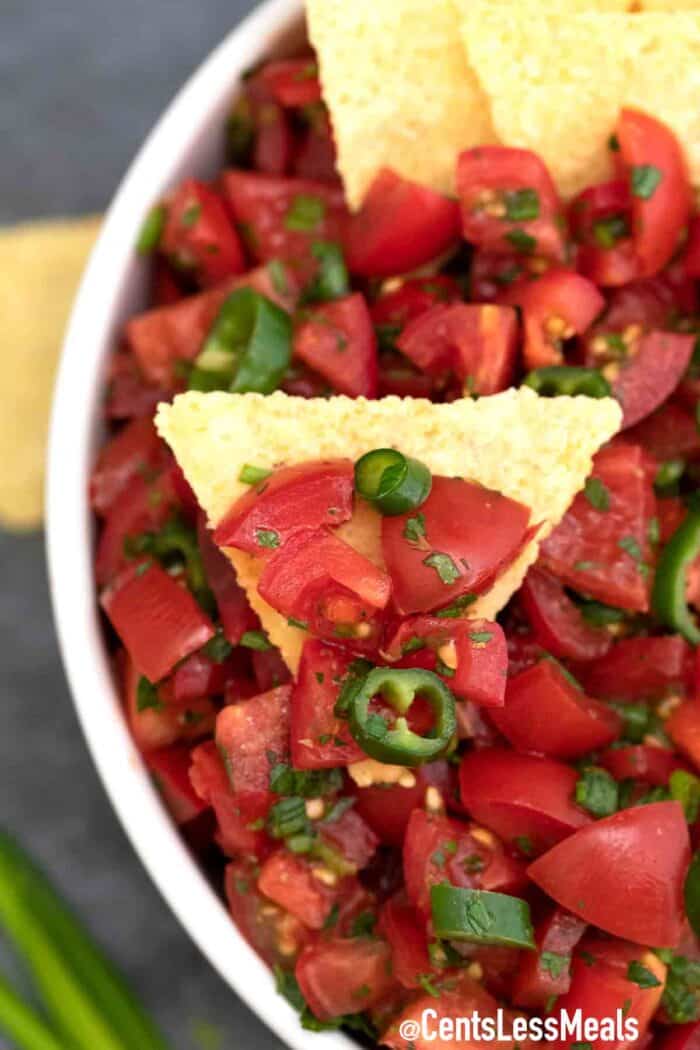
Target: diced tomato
{"points": [[249, 733], [477, 342], [639, 668], [558, 306], [601, 222], [439, 849], [671, 513], [319, 739], [351, 836], [659, 186], [136, 450], [547, 972], [282, 218], [509, 202], [642, 382], [651, 764], [198, 675], [624, 873], [240, 819], [557, 622], [160, 725], [273, 147], [494, 277], [405, 929], [604, 201], [170, 768], [526, 800], [683, 727], [156, 618], [412, 298], [601, 989], [691, 254], [399, 227], [476, 648], [681, 1037], [466, 536], [235, 612], [293, 82], [338, 341], [321, 581], [199, 236], [307, 496], [344, 976], [128, 395], [290, 882], [183, 492], [144, 506], [315, 156], [602, 547], [388, 809], [545, 712], [269, 669], [274, 934], [669, 433], [398, 377]]}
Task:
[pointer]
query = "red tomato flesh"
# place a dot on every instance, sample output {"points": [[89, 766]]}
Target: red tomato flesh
{"points": [[556, 307], [337, 340], [639, 668], [199, 237], [249, 733], [319, 739], [342, 976], [557, 622], [537, 978]]}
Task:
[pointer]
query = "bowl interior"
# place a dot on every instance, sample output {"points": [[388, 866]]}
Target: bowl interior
{"points": [[188, 140]]}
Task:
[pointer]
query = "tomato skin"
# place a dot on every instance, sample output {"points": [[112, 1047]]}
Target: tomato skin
{"points": [[652, 374], [161, 727], [293, 81], [306, 496], [199, 235], [545, 713], [263, 203], [652, 765], [289, 881], [405, 930], [501, 170], [413, 298], [235, 612], [156, 618], [351, 836], [605, 266], [584, 551], [337, 340], [466, 522], [128, 395], [478, 342], [660, 218], [438, 849], [237, 817], [269, 670], [681, 1037], [387, 810], [399, 227], [319, 739], [143, 506], [170, 767], [624, 873], [558, 296], [274, 934], [198, 676], [315, 155], [521, 796], [534, 984], [557, 622], [134, 451], [341, 976], [249, 733], [639, 668], [669, 432], [319, 580], [600, 988], [691, 254], [683, 727], [479, 648]]}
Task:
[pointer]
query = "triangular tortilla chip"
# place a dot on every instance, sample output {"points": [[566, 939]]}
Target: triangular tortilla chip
{"points": [[532, 449], [556, 81], [399, 89]]}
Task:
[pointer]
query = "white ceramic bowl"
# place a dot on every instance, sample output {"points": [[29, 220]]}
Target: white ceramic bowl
{"points": [[188, 140]]}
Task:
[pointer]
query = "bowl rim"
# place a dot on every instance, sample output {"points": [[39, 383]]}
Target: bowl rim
{"points": [[111, 279]]}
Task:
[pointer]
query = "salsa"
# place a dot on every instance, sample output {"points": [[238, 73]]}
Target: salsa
{"points": [[438, 810]]}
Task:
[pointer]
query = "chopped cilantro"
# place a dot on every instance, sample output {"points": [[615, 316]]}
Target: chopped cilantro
{"points": [[521, 241], [641, 976], [522, 205], [302, 625], [305, 214], [251, 475], [444, 566], [332, 917], [597, 494], [481, 637], [646, 179], [267, 538], [554, 964], [356, 673], [363, 924], [524, 844], [147, 696], [306, 783], [278, 276], [426, 982], [257, 640], [218, 648], [191, 214], [414, 529], [608, 231], [685, 788], [455, 610], [597, 792]]}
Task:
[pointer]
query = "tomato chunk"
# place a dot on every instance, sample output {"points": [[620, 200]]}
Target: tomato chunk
{"points": [[399, 227], [338, 341], [199, 236], [161, 724], [306, 496], [659, 186], [640, 668], [249, 733], [405, 929], [601, 223], [388, 809], [463, 538], [170, 769], [144, 506], [235, 612], [478, 343], [556, 307], [319, 739], [240, 818], [547, 972], [509, 202], [292, 81], [650, 764], [683, 727], [545, 712], [156, 618], [136, 450], [669, 432], [624, 873], [290, 882], [342, 976], [602, 548], [413, 298], [273, 933], [646, 379], [526, 800], [557, 622]]}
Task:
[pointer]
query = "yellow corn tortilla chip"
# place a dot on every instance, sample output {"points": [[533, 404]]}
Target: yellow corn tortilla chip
{"points": [[534, 450], [556, 82], [400, 92], [40, 266]]}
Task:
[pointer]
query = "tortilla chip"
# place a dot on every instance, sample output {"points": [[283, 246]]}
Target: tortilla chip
{"points": [[40, 266], [556, 82], [399, 89], [534, 450]]}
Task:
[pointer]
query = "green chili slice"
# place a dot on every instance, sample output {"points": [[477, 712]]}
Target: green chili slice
{"points": [[248, 348], [394, 483], [398, 744], [668, 596], [152, 230], [481, 917], [569, 380], [331, 280]]}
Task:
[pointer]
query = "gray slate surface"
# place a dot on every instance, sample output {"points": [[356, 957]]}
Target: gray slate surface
{"points": [[81, 82]]}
